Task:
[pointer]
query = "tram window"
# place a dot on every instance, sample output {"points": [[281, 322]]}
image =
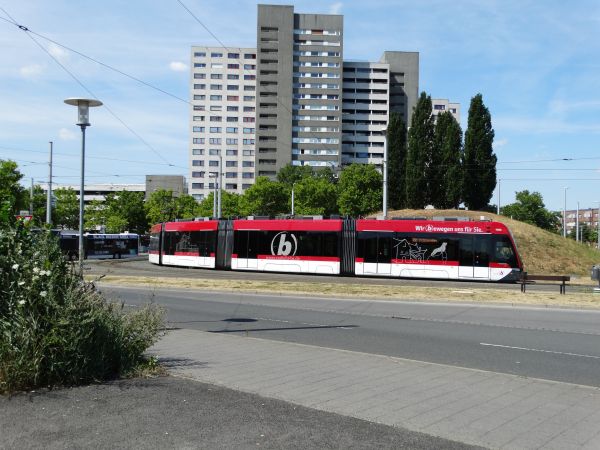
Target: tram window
{"points": [[329, 244], [187, 242], [367, 244], [503, 251], [383, 248]]}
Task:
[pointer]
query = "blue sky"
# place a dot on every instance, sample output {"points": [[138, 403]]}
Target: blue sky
{"points": [[535, 62]]}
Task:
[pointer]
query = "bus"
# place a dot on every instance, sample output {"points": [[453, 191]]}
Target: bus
{"points": [[99, 246], [447, 249]]}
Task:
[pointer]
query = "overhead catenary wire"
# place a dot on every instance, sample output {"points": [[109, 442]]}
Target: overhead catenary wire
{"points": [[111, 112]]}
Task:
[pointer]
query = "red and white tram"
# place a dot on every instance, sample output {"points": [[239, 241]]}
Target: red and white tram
{"points": [[467, 250]]}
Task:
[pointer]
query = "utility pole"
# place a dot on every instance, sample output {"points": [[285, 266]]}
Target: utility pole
{"points": [[385, 175], [219, 185], [577, 224], [49, 193], [498, 207], [31, 199]]}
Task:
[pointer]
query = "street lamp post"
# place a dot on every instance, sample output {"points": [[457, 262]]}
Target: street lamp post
{"points": [[214, 176], [49, 193], [83, 114], [219, 185], [385, 175], [293, 186]]}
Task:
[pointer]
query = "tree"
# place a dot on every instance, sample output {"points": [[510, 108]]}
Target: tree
{"points": [[360, 190], [11, 192], [67, 209], [418, 157], [119, 212], [230, 205], [160, 206], [315, 196], [530, 208], [448, 148], [265, 198], [479, 158], [586, 234], [290, 174], [396, 161]]}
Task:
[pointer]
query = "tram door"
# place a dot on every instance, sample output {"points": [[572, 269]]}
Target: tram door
{"points": [[377, 256], [474, 257]]}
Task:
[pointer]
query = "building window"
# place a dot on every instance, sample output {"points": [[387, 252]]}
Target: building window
{"points": [[233, 66], [248, 153], [231, 164], [216, 119], [199, 86], [197, 174], [231, 141], [249, 77], [197, 163], [216, 141], [232, 119], [199, 97], [216, 55], [249, 109], [232, 108], [198, 129], [216, 108], [230, 174], [249, 66], [247, 163], [213, 163], [249, 130], [214, 152], [249, 98], [249, 119], [247, 175], [233, 98], [197, 185], [233, 55], [214, 97], [201, 65], [198, 151], [248, 141], [216, 87], [249, 55], [249, 88], [198, 118], [231, 152], [233, 87], [215, 129], [216, 76], [198, 140], [199, 54], [231, 129], [199, 76], [233, 76], [230, 186]]}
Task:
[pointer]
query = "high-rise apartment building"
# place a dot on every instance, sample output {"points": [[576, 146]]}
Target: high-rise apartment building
{"points": [[365, 112], [292, 100], [442, 105], [223, 125], [404, 82], [299, 89]]}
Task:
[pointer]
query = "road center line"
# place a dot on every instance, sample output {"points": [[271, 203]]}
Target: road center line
{"points": [[538, 350]]}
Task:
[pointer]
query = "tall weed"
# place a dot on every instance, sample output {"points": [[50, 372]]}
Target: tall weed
{"points": [[55, 328]]}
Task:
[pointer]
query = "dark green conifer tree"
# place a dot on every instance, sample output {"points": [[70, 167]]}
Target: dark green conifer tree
{"points": [[448, 161], [396, 161], [479, 159]]}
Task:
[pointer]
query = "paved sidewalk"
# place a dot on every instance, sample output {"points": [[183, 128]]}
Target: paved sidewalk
{"points": [[466, 405]]}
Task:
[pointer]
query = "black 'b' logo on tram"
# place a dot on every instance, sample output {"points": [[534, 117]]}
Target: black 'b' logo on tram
{"points": [[284, 244]]}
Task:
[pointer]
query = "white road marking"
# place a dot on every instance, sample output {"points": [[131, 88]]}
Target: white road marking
{"points": [[541, 351]]}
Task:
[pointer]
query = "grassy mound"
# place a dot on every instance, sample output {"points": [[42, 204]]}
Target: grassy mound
{"points": [[542, 252], [55, 328]]}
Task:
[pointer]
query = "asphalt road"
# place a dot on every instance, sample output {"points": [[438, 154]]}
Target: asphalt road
{"points": [[173, 413], [141, 267], [554, 344]]}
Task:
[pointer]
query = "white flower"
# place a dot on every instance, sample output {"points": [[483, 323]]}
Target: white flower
{"points": [[43, 293], [21, 302], [47, 272], [21, 283], [36, 270], [15, 266]]}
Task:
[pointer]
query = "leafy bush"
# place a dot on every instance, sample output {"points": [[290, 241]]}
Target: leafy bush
{"points": [[55, 328]]}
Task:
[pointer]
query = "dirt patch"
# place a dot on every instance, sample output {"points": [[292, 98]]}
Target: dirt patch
{"points": [[381, 292]]}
